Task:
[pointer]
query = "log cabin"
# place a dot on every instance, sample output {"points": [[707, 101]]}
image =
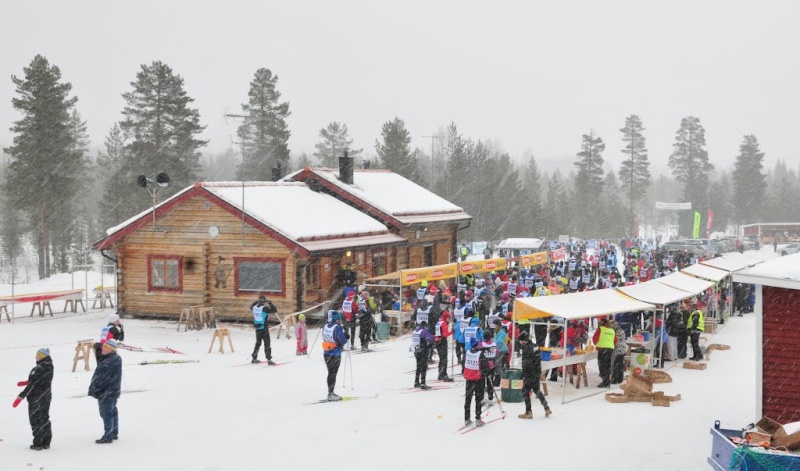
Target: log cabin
{"points": [[223, 244]]}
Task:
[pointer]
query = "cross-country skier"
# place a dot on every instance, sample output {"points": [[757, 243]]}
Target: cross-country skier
{"points": [[531, 372], [443, 331], [476, 367], [333, 339], [261, 309], [421, 341]]}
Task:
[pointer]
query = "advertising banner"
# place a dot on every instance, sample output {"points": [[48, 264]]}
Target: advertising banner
{"points": [[482, 266], [558, 254], [538, 258], [417, 275], [696, 231], [710, 224], [673, 206]]}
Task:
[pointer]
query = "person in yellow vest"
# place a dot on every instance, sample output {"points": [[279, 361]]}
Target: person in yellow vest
{"points": [[605, 338], [695, 326]]}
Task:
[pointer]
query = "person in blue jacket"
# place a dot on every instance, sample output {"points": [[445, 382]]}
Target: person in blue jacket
{"points": [[333, 340], [106, 386]]}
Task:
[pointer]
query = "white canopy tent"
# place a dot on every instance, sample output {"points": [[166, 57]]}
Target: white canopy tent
{"points": [[685, 282], [575, 306], [704, 271], [656, 293], [730, 263]]}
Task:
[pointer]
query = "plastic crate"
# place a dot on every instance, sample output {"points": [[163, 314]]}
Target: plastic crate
{"points": [[721, 447]]}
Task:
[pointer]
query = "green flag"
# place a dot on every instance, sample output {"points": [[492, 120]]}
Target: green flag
{"points": [[696, 232]]}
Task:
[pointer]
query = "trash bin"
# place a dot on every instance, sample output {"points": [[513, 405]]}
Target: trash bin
{"points": [[384, 328], [511, 386]]}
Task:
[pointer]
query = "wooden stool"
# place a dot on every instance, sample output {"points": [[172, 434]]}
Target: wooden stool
{"points": [[83, 352], [43, 307], [220, 333], [287, 321], [2, 310]]}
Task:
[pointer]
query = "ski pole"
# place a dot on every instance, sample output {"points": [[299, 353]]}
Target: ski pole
{"points": [[315, 342], [499, 400], [352, 380]]}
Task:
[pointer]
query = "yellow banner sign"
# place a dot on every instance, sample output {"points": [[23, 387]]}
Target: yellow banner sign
{"points": [[538, 258], [482, 266], [418, 275]]}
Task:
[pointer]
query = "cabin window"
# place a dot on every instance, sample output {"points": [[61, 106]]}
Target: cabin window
{"points": [[165, 273], [379, 263], [312, 275], [259, 275]]}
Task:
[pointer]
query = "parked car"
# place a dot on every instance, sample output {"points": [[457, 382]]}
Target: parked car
{"points": [[790, 249]]}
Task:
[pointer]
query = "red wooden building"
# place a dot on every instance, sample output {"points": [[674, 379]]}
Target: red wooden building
{"points": [[777, 310]]}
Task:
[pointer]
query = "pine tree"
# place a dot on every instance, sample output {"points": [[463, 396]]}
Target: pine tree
{"points": [[395, 150], [690, 166], [46, 173], [612, 218], [334, 141], [163, 134], [555, 205], [532, 199], [720, 199], [264, 134], [783, 195], [588, 184], [634, 173], [749, 181], [115, 180]]}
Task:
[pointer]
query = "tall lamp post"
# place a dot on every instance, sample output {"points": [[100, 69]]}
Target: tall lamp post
{"points": [[153, 187]]}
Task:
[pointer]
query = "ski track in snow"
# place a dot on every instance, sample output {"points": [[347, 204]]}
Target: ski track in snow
{"points": [[209, 416]]}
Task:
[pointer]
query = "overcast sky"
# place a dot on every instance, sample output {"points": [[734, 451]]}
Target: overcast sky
{"points": [[533, 76]]}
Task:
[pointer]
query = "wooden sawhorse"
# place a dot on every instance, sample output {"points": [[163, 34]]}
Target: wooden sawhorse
{"points": [[83, 352], [73, 305], [43, 306], [220, 333]]}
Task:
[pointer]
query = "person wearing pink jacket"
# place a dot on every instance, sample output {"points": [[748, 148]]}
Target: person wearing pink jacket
{"points": [[301, 334]]}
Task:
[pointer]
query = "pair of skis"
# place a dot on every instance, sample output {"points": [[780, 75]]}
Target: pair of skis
{"points": [[474, 426], [132, 348], [343, 399], [167, 362]]}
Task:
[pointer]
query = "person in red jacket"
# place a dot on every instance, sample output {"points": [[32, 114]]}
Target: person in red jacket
{"points": [[605, 338], [350, 312], [476, 368], [441, 332]]}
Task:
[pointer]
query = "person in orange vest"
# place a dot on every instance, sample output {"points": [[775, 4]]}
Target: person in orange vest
{"points": [[605, 338]]}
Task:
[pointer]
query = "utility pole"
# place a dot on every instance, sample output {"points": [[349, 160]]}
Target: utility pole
{"points": [[633, 216], [432, 138]]}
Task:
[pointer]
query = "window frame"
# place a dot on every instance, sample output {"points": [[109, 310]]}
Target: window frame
{"points": [[158, 257], [380, 255], [238, 292]]}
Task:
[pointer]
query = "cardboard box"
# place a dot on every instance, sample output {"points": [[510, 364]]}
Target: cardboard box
{"points": [[779, 435], [692, 365], [661, 401], [637, 382], [640, 397], [674, 398], [719, 346], [658, 376], [616, 398]]}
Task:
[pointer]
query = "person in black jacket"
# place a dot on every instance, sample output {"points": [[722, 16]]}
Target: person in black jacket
{"points": [[106, 386], [531, 372], [39, 391], [683, 336], [675, 329]]}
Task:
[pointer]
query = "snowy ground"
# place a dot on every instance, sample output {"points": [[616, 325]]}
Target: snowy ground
{"points": [[225, 414]]}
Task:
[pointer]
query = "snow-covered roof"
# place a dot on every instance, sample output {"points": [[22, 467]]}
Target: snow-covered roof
{"points": [[392, 194], [315, 221], [520, 243], [656, 293], [782, 272], [294, 210]]}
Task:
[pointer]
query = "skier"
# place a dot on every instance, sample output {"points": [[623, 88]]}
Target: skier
{"points": [[490, 352], [38, 390], [301, 333], [474, 331], [476, 367], [113, 330], [260, 314], [421, 341], [365, 321], [350, 312], [695, 325], [440, 338], [531, 372], [105, 387], [333, 339], [501, 340]]}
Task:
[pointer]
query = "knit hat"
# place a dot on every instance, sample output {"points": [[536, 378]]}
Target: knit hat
{"points": [[301, 317], [42, 353], [523, 337], [112, 318], [473, 342], [335, 316], [112, 343]]}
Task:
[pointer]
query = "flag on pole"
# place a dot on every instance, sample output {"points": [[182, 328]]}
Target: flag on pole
{"points": [[710, 224], [696, 231]]}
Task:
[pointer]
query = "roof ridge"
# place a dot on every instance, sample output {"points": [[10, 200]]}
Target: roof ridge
{"points": [[234, 184]]}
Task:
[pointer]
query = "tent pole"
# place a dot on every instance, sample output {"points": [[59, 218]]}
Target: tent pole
{"points": [[564, 345]]}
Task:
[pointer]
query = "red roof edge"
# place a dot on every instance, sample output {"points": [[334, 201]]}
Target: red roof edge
{"points": [[198, 190], [348, 197]]}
